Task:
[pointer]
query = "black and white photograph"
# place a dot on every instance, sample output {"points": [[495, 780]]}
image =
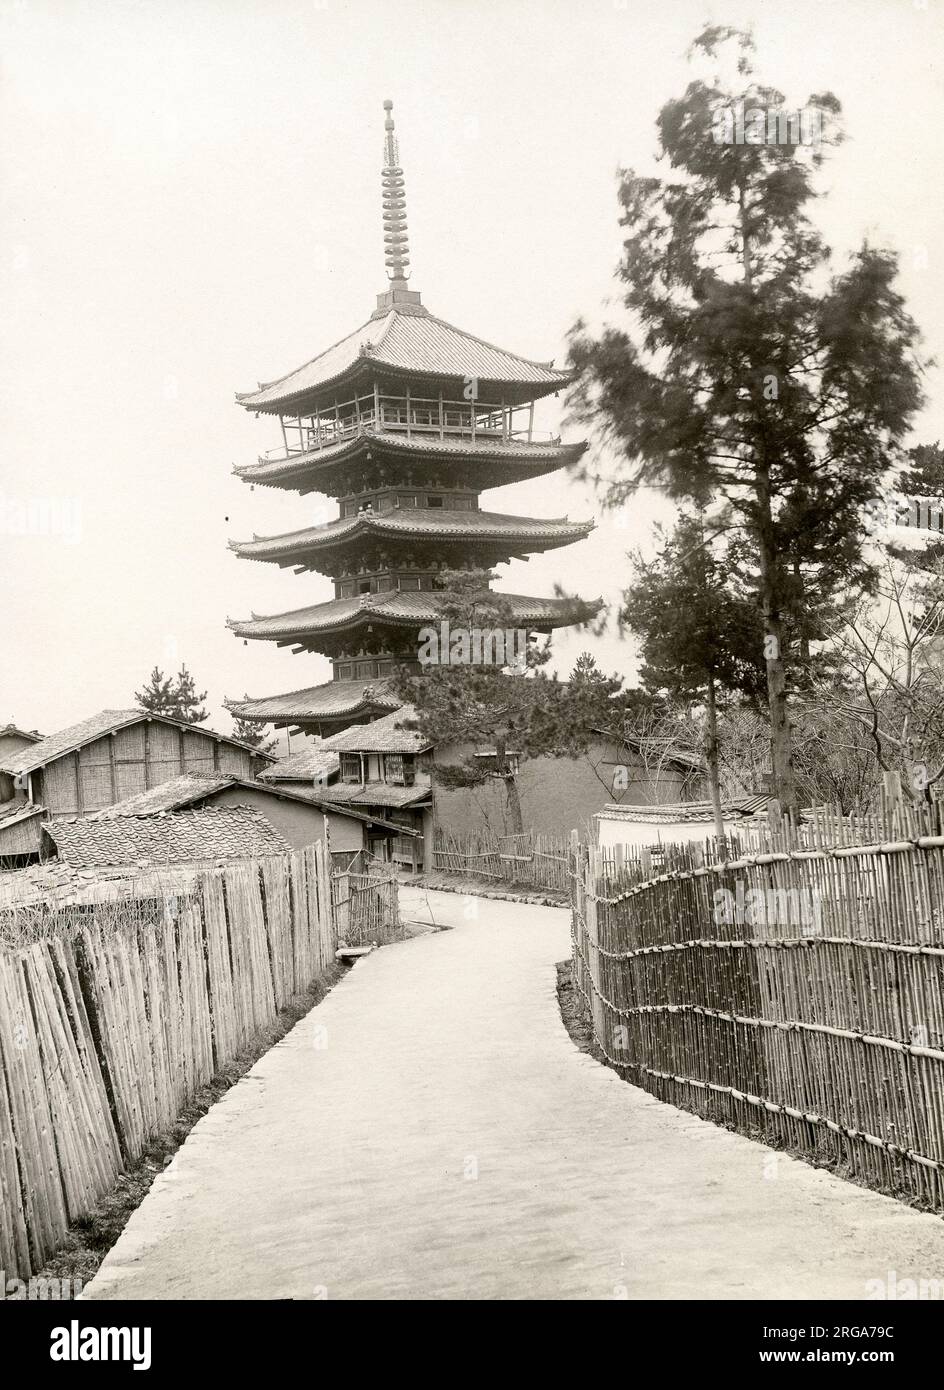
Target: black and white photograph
{"points": [[472, 679]]}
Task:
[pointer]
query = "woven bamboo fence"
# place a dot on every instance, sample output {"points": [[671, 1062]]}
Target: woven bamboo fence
{"points": [[112, 1015], [366, 908], [527, 860], [803, 1004]]}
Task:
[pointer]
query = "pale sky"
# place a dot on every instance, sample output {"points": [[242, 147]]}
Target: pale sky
{"points": [[191, 204]]}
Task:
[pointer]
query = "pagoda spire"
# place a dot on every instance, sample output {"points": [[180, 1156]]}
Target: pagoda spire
{"points": [[396, 236]]}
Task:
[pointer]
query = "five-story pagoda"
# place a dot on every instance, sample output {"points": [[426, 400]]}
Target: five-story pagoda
{"points": [[404, 422]]}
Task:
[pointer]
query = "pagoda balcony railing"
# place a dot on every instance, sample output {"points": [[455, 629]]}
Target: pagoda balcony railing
{"points": [[424, 417]]}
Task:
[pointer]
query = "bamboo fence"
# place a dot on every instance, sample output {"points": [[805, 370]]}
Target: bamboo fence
{"points": [[112, 1015], [366, 908], [528, 860], [806, 1008]]}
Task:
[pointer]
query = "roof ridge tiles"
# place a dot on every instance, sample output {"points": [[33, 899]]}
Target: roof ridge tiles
{"points": [[484, 342]]}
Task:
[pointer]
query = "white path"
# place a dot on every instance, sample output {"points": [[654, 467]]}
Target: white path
{"points": [[450, 1142]]}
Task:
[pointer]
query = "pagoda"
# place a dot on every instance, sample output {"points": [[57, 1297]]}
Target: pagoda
{"points": [[404, 423]]}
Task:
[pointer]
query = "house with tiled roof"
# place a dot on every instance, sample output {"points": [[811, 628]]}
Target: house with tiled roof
{"points": [[381, 770], [12, 741], [295, 807], [113, 754]]}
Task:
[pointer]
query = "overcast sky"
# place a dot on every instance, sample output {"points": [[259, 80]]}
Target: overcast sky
{"points": [[191, 204]]}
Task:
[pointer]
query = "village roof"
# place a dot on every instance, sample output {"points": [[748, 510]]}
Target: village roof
{"points": [[107, 721], [409, 340], [191, 789], [305, 766], [13, 731], [332, 700], [516, 456], [403, 608], [683, 812], [415, 521], [386, 735], [173, 795], [231, 832], [14, 812], [373, 794]]}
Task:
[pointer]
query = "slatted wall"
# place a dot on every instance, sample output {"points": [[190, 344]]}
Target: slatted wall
{"points": [[112, 1018]]}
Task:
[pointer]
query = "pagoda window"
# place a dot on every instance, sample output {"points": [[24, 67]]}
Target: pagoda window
{"points": [[365, 670], [349, 509], [385, 503], [364, 586], [462, 504], [434, 501], [406, 499], [385, 584], [345, 672], [409, 581], [350, 769]]}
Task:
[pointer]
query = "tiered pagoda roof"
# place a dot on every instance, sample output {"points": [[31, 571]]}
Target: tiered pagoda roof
{"points": [[506, 536], [406, 341], [485, 462], [404, 422], [310, 628]]}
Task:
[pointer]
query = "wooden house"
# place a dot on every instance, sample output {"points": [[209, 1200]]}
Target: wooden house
{"points": [[110, 756], [12, 741]]}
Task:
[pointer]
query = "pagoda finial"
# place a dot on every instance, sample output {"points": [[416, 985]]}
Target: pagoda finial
{"points": [[396, 240]]}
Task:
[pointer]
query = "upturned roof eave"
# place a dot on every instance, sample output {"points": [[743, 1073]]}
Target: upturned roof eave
{"points": [[548, 535], [299, 626], [518, 459], [294, 403]]}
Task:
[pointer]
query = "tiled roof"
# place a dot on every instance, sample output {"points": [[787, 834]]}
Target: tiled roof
{"points": [[306, 766], [516, 453], [180, 837], [96, 726], [333, 700], [11, 731], [373, 794], [385, 735], [416, 342], [403, 608], [683, 812], [13, 812], [418, 521], [180, 791], [194, 787]]}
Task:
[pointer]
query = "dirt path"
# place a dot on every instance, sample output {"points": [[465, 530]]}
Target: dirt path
{"points": [[431, 1132]]}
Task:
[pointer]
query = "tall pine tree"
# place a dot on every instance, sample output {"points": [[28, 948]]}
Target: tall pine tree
{"points": [[751, 375]]}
